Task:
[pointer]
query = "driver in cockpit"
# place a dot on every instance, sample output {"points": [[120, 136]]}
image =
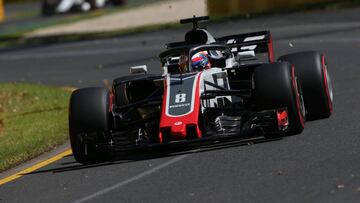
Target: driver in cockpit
{"points": [[199, 61]]}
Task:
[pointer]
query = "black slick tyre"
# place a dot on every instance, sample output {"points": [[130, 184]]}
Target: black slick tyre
{"points": [[88, 123], [315, 80], [276, 87]]}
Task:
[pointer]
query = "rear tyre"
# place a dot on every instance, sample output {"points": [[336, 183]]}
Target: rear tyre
{"points": [[89, 124], [276, 86], [311, 69]]}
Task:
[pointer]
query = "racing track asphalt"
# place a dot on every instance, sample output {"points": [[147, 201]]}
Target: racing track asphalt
{"points": [[320, 165]]}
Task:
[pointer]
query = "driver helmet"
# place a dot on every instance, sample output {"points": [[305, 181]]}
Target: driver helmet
{"points": [[200, 61]]}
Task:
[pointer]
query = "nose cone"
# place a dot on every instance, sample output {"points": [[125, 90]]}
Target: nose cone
{"points": [[178, 130]]}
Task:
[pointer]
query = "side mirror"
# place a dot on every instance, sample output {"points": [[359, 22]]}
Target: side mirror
{"points": [[245, 55], [138, 69]]}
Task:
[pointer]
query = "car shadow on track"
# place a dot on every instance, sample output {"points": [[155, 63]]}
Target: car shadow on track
{"points": [[161, 152]]}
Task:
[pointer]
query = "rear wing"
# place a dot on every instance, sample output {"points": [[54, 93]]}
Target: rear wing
{"points": [[258, 42]]}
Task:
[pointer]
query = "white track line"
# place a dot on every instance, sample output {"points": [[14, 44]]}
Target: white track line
{"points": [[130, 180]]}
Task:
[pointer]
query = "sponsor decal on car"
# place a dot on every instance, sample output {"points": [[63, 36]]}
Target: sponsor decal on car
{"points": [[179, 105]]}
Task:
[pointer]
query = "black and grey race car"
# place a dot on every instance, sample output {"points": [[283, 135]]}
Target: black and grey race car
{"points": [[245, 92]]}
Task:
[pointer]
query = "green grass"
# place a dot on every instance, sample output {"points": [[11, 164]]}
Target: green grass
{"points": [[33, 120]]}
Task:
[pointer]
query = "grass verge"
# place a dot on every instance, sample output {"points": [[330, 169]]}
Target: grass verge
{"points": [[33, 120]]}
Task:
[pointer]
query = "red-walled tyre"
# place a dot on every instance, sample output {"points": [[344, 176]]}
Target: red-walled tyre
{"points": [[88, 123], [276, 86], [315, 80]]}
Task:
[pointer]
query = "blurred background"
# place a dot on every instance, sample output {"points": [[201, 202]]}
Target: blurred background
{"points": [[20, 17]]}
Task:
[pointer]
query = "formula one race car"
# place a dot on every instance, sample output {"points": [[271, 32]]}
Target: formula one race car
{"points": [[52, 7], [211, 88]]}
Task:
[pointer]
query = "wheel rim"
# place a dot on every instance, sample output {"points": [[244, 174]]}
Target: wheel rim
{"points": [[301, 98], [327, 84], [300, 106]]}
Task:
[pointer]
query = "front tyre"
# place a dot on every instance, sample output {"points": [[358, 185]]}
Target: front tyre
{"points": [[89, 119], [276, 86]]}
